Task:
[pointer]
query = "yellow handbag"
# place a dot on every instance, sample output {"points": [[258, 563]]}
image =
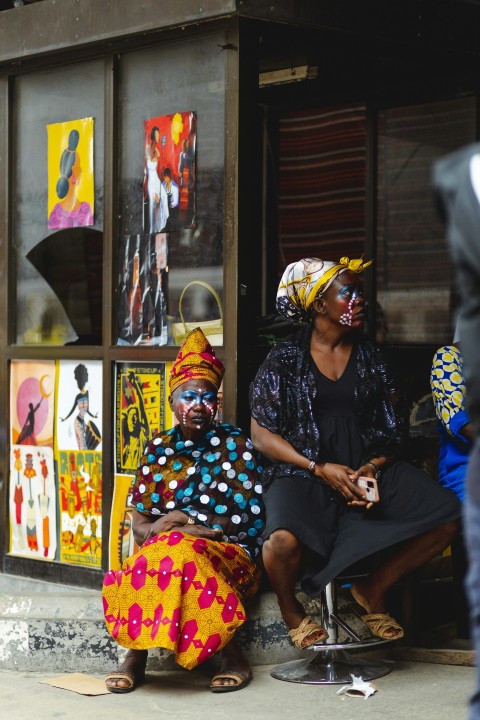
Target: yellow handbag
{"points": [[212, 329]]}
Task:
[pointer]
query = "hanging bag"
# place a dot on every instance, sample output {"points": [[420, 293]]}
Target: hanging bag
{"points": [[212, 329]]}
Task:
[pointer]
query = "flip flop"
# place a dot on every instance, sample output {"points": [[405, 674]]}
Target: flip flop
{"points": [[134, 679], [307, 628], [242, 678]]}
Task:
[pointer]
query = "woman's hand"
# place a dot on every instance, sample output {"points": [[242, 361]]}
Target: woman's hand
{"points": [[363, 471], [339, 478], [203, 532], [174, 520], [147, 526]]}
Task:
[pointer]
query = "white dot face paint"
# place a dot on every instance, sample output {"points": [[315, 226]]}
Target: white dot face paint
{"points": [[353, 295], [346, 317], [196, 406]]}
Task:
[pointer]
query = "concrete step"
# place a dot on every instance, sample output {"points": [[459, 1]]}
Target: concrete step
{"points": [[60, 628]]}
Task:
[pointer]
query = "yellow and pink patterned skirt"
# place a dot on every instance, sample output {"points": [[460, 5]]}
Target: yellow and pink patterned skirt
{"points": [[181, 593]]}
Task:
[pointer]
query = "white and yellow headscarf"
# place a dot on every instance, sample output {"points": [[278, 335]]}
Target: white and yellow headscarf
{"points": [[307, 279]]}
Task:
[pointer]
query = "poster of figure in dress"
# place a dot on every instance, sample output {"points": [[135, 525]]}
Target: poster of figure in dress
{"points": [[142, 305], [141, 410], [70, 174], [79, 405], [78, 454], [169, 180]]}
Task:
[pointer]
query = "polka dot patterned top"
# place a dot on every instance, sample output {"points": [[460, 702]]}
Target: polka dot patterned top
{"points": [[215, 480]]}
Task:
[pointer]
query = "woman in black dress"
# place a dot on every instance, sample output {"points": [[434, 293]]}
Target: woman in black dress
{"points": [[326, 411]]}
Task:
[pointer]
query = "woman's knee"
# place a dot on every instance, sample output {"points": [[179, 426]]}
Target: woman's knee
{"points": [[282, 542], [450, 530]]}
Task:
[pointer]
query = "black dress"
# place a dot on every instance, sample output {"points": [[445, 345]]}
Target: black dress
{"points": [[337, 536]]}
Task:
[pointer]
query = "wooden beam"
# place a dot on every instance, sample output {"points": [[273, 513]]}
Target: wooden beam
{"points": [[440, 656]]}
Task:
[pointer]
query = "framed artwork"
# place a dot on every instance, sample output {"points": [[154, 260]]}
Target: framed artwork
{"points": [[32, 407], [141, 410], [70, 174], [32, 502], [169, 178], [142, 305], [78, 455]]}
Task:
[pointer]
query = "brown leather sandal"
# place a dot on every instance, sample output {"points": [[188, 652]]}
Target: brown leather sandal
{"points": [[131, 677], [307, 633], [241, 678], [380, 623]]}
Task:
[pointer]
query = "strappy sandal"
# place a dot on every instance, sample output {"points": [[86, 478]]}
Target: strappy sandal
{"points": [[380, 623], [241, 677], [132, 678], [307, 633]]}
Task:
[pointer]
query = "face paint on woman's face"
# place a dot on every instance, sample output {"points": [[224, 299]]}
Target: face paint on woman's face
{"points": [[197, 405], [351, 295]]}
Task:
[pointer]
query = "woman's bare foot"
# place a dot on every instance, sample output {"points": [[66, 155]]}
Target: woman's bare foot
{"points": [[133, 667]]}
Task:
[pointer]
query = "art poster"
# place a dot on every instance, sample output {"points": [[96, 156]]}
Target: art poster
{"points": [[142, 305], [79, 405], [32, 502], [71, 189], [122, 544], [141, 401], [32, 407], [80, 503], [32, 497], [79, 460], [169, 180]]}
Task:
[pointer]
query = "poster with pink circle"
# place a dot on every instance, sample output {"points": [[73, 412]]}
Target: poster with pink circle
{"points": [[32, 402]]}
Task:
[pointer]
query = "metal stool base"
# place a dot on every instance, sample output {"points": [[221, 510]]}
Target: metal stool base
{"points": [[330, 667]]}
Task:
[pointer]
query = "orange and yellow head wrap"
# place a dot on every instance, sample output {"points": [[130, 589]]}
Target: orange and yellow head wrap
{"points": [[196, 360]]}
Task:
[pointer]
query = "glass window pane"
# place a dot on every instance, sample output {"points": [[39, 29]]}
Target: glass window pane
{"points": [[171, 200], [58, 205], [414, 273]]}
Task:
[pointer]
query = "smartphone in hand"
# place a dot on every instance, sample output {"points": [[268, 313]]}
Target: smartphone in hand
{"points": [[370, 485]]}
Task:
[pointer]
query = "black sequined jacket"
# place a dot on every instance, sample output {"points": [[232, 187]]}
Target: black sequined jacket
{"points": [[283, 390]]}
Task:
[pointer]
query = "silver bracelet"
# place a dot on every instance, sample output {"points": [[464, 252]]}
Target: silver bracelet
{"points": [[376, 469], [311, 466]]}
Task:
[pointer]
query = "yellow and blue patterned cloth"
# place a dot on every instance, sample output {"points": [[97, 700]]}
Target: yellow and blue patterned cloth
{"points": [[448, 391]]}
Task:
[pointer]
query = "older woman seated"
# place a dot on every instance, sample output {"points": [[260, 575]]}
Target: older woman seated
{"points": [[198, 517], [326, 412]]}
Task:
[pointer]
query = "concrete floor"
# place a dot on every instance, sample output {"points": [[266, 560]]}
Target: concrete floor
{"points": [[412, 690]]}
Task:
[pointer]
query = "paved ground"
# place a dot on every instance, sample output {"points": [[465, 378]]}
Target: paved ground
{"points": [[412, 690]]}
